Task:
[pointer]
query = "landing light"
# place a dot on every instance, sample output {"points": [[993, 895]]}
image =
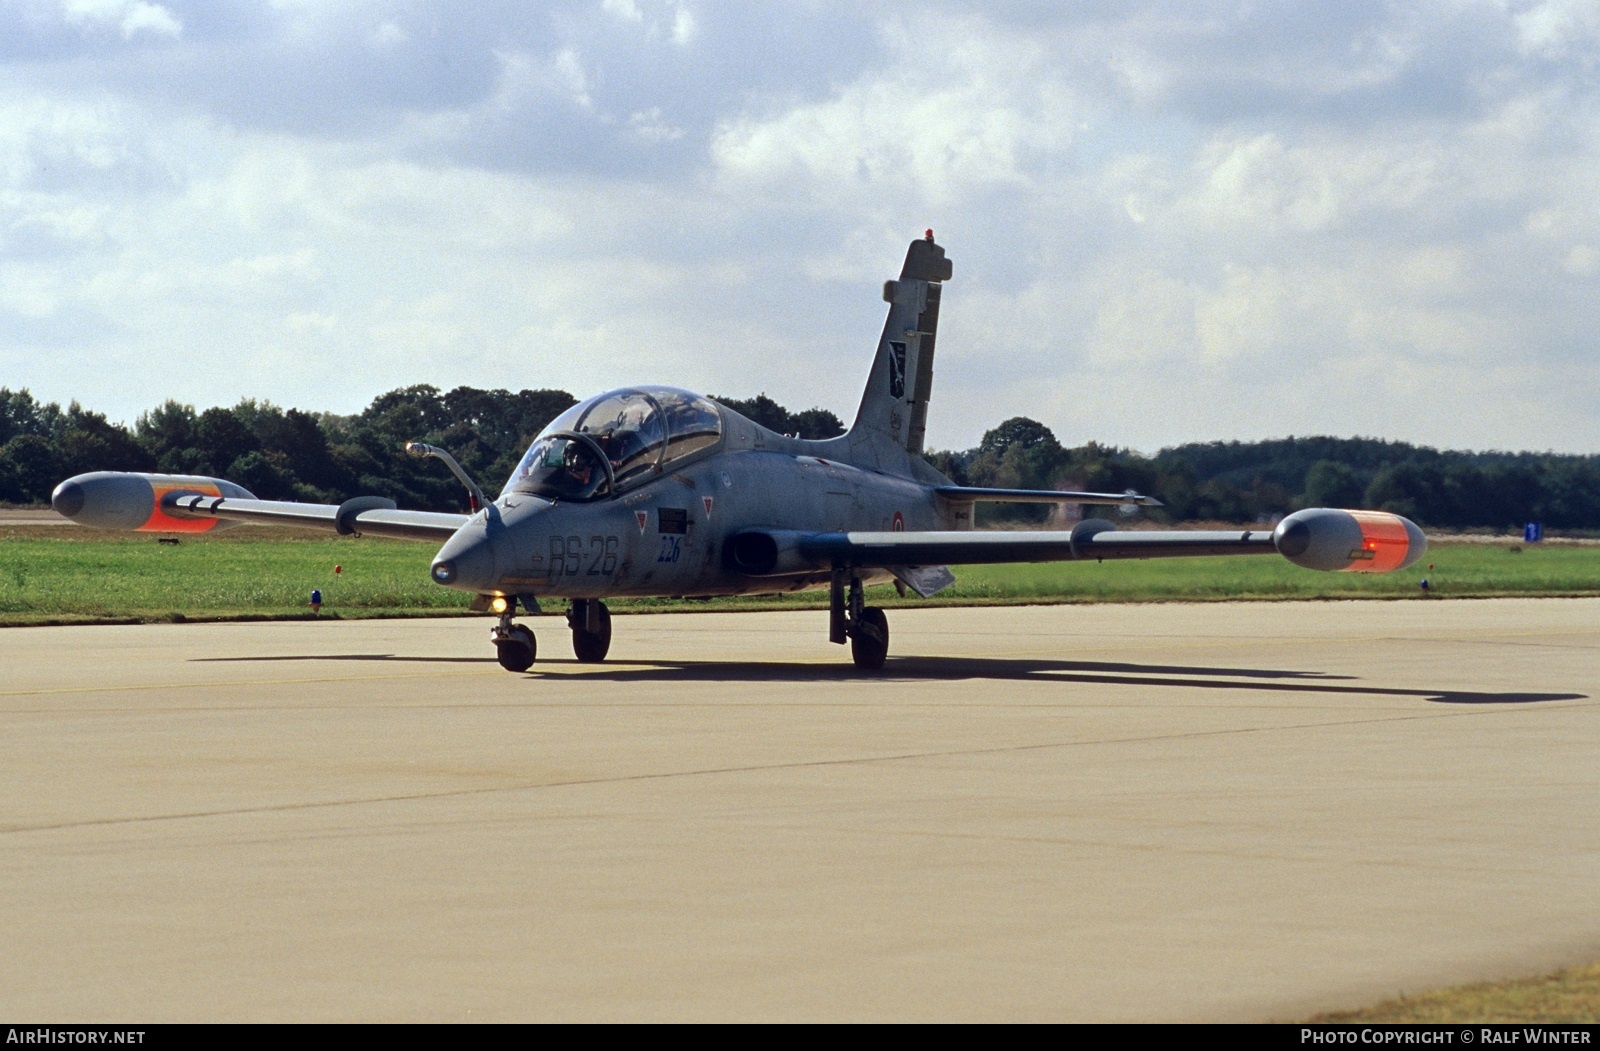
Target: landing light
{"points": [[498, 604]]}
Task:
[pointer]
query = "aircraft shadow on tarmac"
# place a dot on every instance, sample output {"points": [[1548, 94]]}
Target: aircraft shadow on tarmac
{"points": [[345, 657], [1081, 672], [900, 669]]}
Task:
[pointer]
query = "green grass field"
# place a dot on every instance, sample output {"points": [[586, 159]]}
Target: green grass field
{"points": [[1572, 995], [63, 574]]}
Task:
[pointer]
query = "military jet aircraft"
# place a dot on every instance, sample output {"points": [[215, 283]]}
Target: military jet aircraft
{"points": [[656, 491]]}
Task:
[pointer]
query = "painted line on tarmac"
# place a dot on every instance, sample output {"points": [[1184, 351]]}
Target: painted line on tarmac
{"points": [[56, 690], [666, 775], [452, 673]]}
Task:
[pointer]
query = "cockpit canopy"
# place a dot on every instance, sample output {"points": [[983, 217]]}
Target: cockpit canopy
{"points": [[615, 440]]}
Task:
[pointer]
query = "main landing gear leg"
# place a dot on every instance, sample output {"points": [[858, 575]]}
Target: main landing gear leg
{"points": [[513, 643], [590, 622], [849, 617]]}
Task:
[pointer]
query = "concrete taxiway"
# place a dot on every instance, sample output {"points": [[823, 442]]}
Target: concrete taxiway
{"points": [[1178, 812]]}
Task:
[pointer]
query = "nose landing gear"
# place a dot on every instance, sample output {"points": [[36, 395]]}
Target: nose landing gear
{"points": [[514, 644], [866, 627]]}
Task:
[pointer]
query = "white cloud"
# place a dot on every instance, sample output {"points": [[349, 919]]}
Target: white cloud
{"points": [[961, 124], [41, 136], [388, 35], [683, 25], [649, 125], [676, 17], [31, 292], [526, 78], [1313, 186], [626, 10], [310, 322], [1553, 28], [130, 16], [149, 18], [1168, 222], [1582, 260], [570, 74], [1141, 317]]}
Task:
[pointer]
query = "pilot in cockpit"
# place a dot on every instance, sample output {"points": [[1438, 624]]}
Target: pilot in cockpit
{"points": [[576, 465]]}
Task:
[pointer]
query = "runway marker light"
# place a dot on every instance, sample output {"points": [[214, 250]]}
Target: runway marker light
{"points": [[316, 601]]}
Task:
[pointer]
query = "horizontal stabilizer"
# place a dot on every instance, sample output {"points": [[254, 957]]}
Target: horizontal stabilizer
{"points": [[926, 581]]}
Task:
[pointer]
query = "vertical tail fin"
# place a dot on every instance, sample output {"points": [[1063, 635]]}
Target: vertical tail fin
{"points": [[894, 408]]}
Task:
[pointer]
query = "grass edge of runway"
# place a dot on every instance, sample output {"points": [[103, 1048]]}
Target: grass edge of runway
{"points": [[52, 576], [810, 601], [1571, 995]]}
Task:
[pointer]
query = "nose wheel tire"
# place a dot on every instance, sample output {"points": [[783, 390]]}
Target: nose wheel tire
{"points": [[516, 648], [869, 639], [591, 647]]}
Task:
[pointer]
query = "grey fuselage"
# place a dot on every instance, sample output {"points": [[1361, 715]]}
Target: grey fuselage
{"points": [[667, 534]]}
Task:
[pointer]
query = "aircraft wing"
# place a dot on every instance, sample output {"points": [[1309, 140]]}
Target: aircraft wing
{"points": [[882, 550], [193, 504], [974, 494], [1316, 538], [371, 515]]}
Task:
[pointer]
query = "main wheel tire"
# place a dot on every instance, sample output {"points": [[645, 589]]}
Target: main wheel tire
{"points": [[592, 646], [869, 643], [516, 651]]}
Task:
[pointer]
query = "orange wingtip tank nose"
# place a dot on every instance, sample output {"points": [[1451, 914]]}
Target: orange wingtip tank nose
{"points": [[1349, 541], [1384, 543], [161, 522]]}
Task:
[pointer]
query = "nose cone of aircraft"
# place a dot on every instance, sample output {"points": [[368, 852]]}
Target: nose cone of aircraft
{"points": [[467, 560]]}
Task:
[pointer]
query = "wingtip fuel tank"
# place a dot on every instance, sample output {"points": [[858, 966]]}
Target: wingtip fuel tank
{"points": [[1330, 538], [120, 500]]}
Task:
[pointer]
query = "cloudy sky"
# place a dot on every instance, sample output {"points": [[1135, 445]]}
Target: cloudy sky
{"points": [[1170, 220]]}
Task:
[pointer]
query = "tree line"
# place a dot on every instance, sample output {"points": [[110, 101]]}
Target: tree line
{"points": [[281, 454], [1262, 481], [290, 454]]}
